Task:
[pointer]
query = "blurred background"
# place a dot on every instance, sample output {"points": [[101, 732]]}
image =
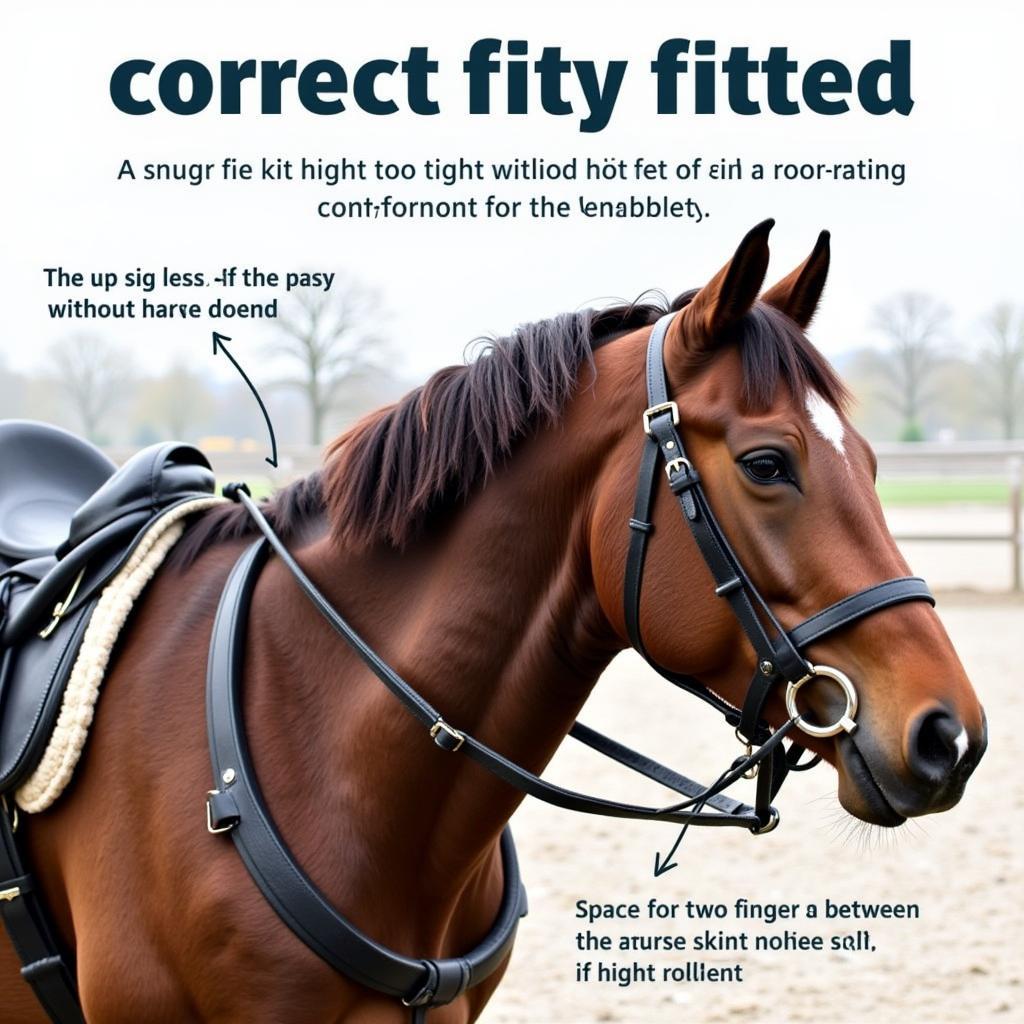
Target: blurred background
{"points": [[943, 406]]}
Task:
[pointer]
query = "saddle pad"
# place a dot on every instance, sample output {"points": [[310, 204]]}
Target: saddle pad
{"points": [[53, 773]]}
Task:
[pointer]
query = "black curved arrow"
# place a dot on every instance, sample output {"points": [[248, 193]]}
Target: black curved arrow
{"points": [[218, 345]]}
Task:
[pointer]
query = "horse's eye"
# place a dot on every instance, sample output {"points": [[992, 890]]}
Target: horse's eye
{"points": [[766, 467]]}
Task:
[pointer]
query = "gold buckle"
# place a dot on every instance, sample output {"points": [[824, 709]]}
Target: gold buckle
{"points": [[660, 407], [60, 609], [6, 895], [454, 733]]}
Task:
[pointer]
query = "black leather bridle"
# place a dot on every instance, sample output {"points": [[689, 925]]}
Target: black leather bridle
{"points": [[235, 805], [779, 653]]}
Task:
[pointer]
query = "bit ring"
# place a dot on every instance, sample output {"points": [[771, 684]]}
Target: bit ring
{"points": [[845, 722]]}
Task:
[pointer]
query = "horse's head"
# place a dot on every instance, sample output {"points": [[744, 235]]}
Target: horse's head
{"points": [[792, 484]]}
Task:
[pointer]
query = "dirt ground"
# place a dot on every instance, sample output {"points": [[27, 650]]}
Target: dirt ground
{"points": [[961, 961]]}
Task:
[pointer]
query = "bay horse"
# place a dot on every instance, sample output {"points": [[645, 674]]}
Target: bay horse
{"points": [[474, 533]]}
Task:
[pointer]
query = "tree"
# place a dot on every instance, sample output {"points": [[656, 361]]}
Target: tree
{"points": [[93, 374], [914, 323], [177, 404], [1002, 360], [330, 336]]}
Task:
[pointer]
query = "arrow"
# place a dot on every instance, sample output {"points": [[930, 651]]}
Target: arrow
{"points": [[661, 865], [666, 863], [218, 345]]}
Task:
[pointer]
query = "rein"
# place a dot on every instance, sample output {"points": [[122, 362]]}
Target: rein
{"points": [[236, 806]]}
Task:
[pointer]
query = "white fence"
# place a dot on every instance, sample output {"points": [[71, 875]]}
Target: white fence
{"points": [[960, 460]]}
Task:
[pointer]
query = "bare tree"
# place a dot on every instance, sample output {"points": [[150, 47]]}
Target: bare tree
{"points": [[330, 335], [93, 373], [1002, 359], [914, 323], [177, 404]]}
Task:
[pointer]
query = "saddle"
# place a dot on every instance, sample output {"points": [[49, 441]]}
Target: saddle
{"points": [[69, 521]]}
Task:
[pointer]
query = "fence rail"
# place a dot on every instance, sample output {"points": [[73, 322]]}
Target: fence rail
{"points": [[958, 460]]}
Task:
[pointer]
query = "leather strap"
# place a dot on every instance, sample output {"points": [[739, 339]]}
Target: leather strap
{"points": [[237, 806], [857, 606], [44, 964], [452, 739]]}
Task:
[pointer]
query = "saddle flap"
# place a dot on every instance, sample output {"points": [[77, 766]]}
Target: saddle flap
{"points": [[33, 676]]}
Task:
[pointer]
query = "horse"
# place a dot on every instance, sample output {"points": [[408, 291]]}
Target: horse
{"points": [[475, 534]]}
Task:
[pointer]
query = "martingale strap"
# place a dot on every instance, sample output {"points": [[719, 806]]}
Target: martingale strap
{"points": [[237, 806]]}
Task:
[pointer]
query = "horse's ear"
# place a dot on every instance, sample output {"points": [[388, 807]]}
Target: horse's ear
{"points": [[726, 298], [798, 294]]}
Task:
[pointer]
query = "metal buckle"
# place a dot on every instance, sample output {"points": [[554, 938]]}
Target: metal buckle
{"points": [[420, 999], [6, 895], [845, 722], [209, 817], [60, 609], [661, 407], [11, 812], [674, 465], [440, 725], [771, 826], [751, 772]]}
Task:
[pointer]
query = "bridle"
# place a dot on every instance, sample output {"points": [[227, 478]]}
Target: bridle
{"points": [[779, 653], [236, 806]]}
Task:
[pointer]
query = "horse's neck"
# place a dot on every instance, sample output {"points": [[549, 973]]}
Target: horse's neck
{"points": [[495, 622]]}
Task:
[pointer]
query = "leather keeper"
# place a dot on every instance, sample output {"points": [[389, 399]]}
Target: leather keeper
{"points": [[684, 480]]}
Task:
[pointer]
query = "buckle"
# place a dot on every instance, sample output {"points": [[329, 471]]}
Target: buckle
{"points": [[61, 607], [210, 827], [674, 465], [656, 410], [421, 998], [11, 812], [769, 826], [6, 895], [455, 738]]}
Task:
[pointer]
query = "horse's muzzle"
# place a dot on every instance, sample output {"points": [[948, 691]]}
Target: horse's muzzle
{"points": [[938, 756]]}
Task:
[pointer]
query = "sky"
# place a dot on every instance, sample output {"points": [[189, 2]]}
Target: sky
{"points": [[951, 229]]}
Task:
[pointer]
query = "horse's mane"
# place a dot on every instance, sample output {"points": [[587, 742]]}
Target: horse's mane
{"points": [[411, 462]]}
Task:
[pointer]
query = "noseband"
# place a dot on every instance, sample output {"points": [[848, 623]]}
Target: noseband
{"points": [[236, 805]]}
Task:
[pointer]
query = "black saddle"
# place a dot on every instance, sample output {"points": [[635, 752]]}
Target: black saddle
{"points": [[45, 474], [69, 520]]}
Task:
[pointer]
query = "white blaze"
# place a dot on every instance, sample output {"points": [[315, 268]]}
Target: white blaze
{"points": [[826, 421]]}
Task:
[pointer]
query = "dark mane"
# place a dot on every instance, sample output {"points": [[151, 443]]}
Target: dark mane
{"points": [[413, 461]]}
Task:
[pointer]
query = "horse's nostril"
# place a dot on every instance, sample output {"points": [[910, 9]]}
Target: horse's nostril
{"points": [[934, 745]]}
